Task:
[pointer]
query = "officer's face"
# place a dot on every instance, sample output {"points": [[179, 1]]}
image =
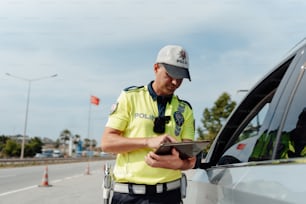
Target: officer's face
{"points": [[164, 83]]}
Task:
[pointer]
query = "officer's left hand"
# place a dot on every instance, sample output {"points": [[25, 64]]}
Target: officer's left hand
{"points": [[172, 161]]}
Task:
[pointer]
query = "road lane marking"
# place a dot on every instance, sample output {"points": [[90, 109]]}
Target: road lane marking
{"points": [[18, 190], [31, 187]]}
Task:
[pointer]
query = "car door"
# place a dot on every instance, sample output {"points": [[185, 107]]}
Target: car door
{"points": [[276, 166], [253, 158]]}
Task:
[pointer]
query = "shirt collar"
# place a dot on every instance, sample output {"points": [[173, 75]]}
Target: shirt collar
{"points": [[155, 96]]}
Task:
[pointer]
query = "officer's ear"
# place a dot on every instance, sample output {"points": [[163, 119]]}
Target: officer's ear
{"points": [[156, 66]]}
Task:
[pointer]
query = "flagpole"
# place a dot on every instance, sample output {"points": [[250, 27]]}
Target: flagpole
{"points": [[89, 123], [93, 100]]}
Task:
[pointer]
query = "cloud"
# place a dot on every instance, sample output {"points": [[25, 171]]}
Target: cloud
{"points": [[100, 47]]}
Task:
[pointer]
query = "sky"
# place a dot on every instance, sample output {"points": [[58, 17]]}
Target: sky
{"points": [[100, 47]]}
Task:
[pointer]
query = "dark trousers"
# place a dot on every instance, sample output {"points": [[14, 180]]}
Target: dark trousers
{"points": [[169, 197]]}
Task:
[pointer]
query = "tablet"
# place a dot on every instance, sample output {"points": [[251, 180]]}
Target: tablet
{"points": [[186, 149]]}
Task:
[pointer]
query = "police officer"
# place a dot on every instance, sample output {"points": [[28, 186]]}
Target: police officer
{"points": [[142, 119]]}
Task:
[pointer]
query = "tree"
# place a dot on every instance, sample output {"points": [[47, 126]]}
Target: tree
{"points": [[3, 140], [65, 136], [57, 143], [33, 146], [12, 148], [214, 118]]}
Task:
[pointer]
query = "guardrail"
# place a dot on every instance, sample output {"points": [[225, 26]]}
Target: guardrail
{"points": [[40, 161]]}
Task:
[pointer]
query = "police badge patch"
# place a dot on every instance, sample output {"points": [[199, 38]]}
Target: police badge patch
{"points": [[178, 118]]}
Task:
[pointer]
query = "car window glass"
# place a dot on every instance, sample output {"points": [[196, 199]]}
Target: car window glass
{"points": [[253, 127], [242, 148], [253, 137], [281, 97], [293, 136], [265, 145]]}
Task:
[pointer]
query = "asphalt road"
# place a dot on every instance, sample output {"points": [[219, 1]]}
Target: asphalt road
{"points": [[70, 183]]}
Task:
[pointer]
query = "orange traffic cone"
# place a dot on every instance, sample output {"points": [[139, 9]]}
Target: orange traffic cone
{"points": [[87, 171], [45, 182]]}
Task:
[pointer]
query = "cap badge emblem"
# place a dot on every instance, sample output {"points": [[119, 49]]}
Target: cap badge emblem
{"points": [[182, 54]]}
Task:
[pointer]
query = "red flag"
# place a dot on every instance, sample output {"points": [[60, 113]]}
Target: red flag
{"points": [[94, 100]]}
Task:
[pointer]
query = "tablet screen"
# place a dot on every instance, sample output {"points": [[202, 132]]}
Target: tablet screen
{"points": [[186, 149]]}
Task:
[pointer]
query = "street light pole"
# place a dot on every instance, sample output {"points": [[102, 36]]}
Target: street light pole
{"points": [[242, 90], [27, 105]]}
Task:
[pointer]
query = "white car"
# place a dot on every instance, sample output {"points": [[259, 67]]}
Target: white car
{"points": [[259, 154], [57, 154]]}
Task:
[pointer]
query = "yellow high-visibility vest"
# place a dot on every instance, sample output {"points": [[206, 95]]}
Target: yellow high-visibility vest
{"points": [[134, 115]]}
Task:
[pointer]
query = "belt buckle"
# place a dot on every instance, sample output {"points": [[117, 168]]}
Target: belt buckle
{"points": [[151, 189]]}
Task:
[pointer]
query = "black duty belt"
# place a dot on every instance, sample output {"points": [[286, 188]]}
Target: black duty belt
{"points": [[146, 189]]}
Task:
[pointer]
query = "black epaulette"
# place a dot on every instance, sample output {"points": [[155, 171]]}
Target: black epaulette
{"points": [[132, 88], [185, 102]]}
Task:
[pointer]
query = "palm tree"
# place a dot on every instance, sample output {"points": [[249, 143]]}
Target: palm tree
{"points": [[93, 143], [76, 140], [86, 143], [65, 136]]}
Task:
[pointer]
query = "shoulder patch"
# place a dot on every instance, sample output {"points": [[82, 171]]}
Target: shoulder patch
{"points": [[186, 102], [133, 88]]}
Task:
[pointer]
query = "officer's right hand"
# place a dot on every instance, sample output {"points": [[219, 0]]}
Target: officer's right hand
{"points": [[155, 142]]}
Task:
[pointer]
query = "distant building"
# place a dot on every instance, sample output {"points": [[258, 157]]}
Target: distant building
{"points": [[18, 138], [47, 142]]}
